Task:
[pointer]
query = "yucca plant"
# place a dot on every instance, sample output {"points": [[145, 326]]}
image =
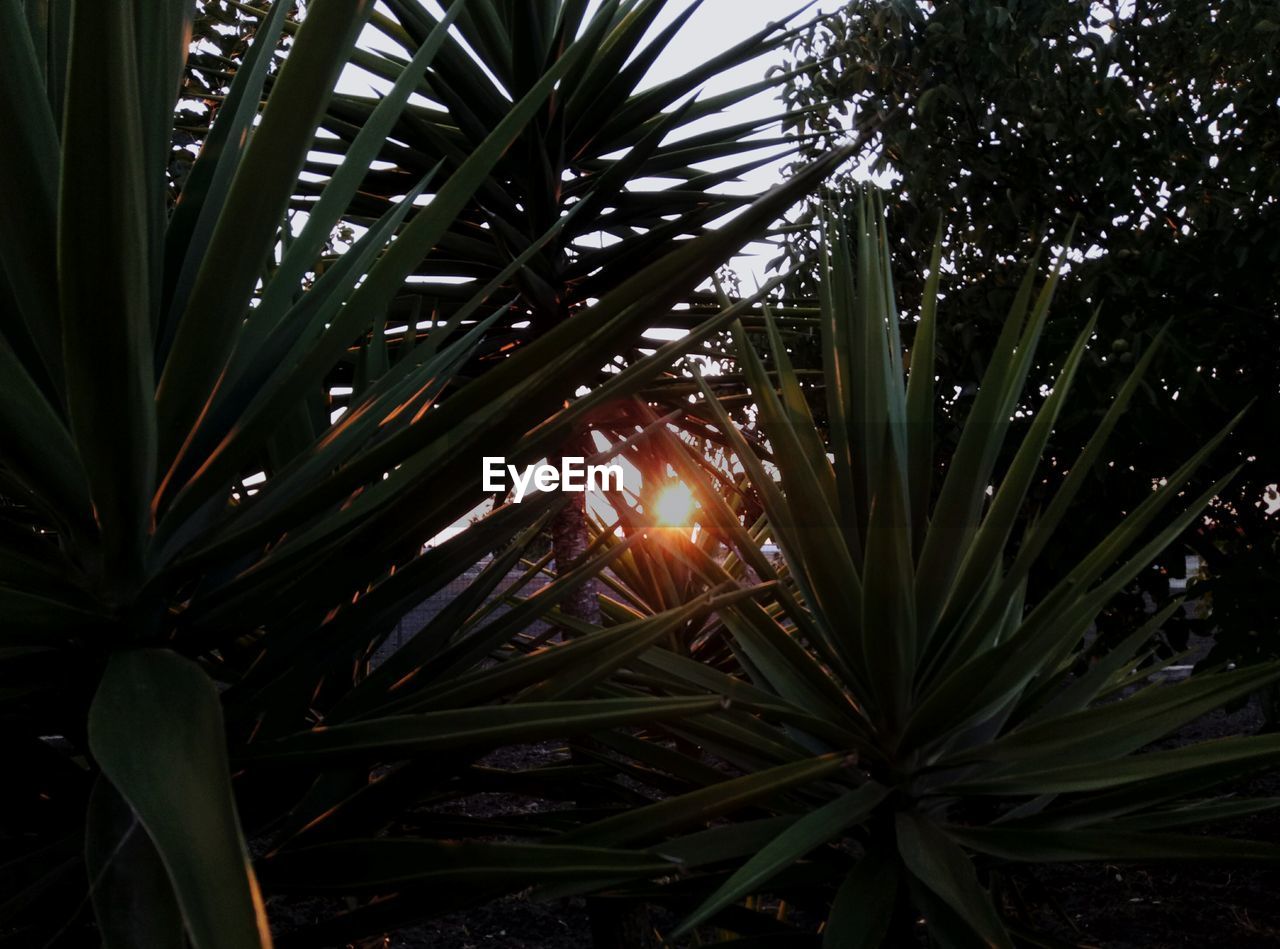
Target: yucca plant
{"points": [[196, 562], [616, 167], [577, 164], [653, 574], [917, 720]]}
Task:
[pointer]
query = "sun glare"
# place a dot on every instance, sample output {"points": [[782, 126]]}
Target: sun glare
{"points": [[674, 505]]}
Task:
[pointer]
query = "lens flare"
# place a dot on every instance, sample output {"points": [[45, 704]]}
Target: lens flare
{"points": [[674, 505]]}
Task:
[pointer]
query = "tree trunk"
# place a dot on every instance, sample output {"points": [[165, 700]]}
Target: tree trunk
{"points": [[615, 924], [569, 541]]}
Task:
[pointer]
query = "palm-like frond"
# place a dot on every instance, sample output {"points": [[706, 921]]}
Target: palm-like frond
{"points": [[193, 553], [969, 725], [613, 166]]}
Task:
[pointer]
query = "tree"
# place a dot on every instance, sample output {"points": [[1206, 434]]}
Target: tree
{"points": [[1151, 129], [917, 725], [563, 197]]}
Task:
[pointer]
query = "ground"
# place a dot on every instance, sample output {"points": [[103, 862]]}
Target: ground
{"points": [[1166, 906]]}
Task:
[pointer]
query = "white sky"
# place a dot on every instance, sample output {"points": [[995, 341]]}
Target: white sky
{"points": [[716, 26]]}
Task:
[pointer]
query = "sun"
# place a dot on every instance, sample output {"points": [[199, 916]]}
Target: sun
{"points": [[674, 505]]}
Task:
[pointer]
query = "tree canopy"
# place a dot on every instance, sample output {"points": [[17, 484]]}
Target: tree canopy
{"points": [[1150, 129]]}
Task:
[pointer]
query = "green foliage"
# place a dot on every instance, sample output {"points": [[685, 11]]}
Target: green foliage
{"points": [[1151, 126], [192, 547], [971, 724], [201, 561], [563, 194]]}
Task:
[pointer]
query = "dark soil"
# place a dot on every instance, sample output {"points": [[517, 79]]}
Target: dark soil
{"points": [[1154, 907], [1162, 906], [512, 923]]}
